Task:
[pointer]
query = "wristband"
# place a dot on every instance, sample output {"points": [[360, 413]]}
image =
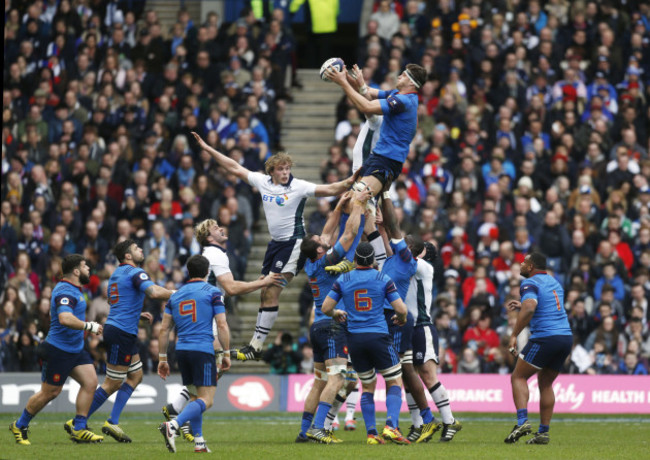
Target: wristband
{"points": [[162, 355], [373, 235], [386, 195], [363, 90]]}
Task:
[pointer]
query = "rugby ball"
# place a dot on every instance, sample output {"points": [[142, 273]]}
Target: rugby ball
{"points": [[331, 62]]}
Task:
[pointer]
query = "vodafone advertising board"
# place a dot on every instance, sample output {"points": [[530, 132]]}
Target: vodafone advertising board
{"points": [[578, 394]]}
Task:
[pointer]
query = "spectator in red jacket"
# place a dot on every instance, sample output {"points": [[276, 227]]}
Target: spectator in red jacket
{"points": [[481, 337], [458, 245]]}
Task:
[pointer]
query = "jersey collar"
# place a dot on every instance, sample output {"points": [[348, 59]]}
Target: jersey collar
{"points": [[363, 268], [215, 246], [72, 284], [541, 273]]}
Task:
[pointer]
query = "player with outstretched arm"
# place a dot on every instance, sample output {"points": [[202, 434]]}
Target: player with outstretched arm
{"points": [[283, 198]]}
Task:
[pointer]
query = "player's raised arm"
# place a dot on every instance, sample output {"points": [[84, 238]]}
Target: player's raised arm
{"points": [[231, 165], [359, 201], [359, 101], [163, 342], [234, 287], [337, 187], [330, 229], [390, 220], [355, 78]]}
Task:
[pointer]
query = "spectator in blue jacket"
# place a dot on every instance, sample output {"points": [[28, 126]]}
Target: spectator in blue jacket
{"points": [[610, 277]]}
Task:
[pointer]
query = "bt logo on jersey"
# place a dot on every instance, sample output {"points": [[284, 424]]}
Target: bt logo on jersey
{"points": [[281, 199], [250, 393]]}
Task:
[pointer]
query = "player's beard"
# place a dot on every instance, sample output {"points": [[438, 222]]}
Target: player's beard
{"points": [[84, 279]]}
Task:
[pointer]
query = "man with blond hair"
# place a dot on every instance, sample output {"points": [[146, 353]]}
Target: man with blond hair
{"points": [[212, 239], [283, 198]]}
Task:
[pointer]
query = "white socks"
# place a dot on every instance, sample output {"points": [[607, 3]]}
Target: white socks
{"points": [[265, 319], [181, 400], [351, 404], [416, 418], [441, 398]]}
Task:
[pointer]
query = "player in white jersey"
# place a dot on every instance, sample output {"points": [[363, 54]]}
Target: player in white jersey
{"points": [[425, 344], [283, 198], [212, 239], [368, 137]]}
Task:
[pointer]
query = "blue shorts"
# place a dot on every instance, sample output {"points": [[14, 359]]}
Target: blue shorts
{"points": [[283, 257], [120, 346], [329, 341], [197, 368], [57, 364], [402, 335], [425, 344], [383, 168], [371, 350], [549, 351]]}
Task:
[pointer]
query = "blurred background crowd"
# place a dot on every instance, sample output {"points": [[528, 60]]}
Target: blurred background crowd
{"points": [[532, 133]]}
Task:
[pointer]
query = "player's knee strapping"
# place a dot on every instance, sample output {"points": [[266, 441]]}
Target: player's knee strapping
{"points": [[351, 376], [337, 369], [320, 375], [407, 358], [392, 373], [116, 375], [368, 377], [134, 367]]}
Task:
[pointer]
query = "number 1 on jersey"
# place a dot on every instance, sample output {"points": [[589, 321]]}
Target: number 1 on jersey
{"points": [[188, 307], [557, 300]]}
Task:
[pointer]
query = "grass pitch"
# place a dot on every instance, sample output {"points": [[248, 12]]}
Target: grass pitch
{"points": [[271, 436]]}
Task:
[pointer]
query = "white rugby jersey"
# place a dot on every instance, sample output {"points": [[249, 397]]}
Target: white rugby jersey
{"points": [[283, 205], [368, 137], [219, 265], [418, 297]]}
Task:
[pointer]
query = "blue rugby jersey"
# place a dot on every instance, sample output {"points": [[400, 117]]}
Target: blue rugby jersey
{"points": [[549, 318], [125, 296], [193, 307], [400, 267], [399, 126], [364, 291], [66, 297], [320, 281]]}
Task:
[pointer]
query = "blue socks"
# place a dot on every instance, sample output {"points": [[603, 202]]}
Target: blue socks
{"points": [[25, 418], [522, 416], [193, 413], [80, 422], [100, 398], [543, 428], [368, 411], [305, 424], [321, 414], [427, 416], [197, 421], [393, 405], [123, 396]]}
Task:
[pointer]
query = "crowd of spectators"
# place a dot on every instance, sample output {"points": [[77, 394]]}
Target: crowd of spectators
{"points": [[532, 133], [99, 99]]}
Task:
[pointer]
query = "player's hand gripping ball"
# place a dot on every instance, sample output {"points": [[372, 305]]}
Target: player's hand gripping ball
{"points": [[332, 62]]}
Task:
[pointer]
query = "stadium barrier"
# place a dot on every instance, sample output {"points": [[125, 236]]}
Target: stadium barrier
{"points": [[577, 394]]}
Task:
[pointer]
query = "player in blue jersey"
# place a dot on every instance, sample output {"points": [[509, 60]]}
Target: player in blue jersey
{"points": [[192, 309], [541, 308], [212, 238], [401, 266], [327, 338], [363, 292], [399, 108], [127, 287], [65, 355]]}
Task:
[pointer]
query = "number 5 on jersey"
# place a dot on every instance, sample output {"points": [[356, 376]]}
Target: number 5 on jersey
{"points": [[188, 307], [361, 300]]}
